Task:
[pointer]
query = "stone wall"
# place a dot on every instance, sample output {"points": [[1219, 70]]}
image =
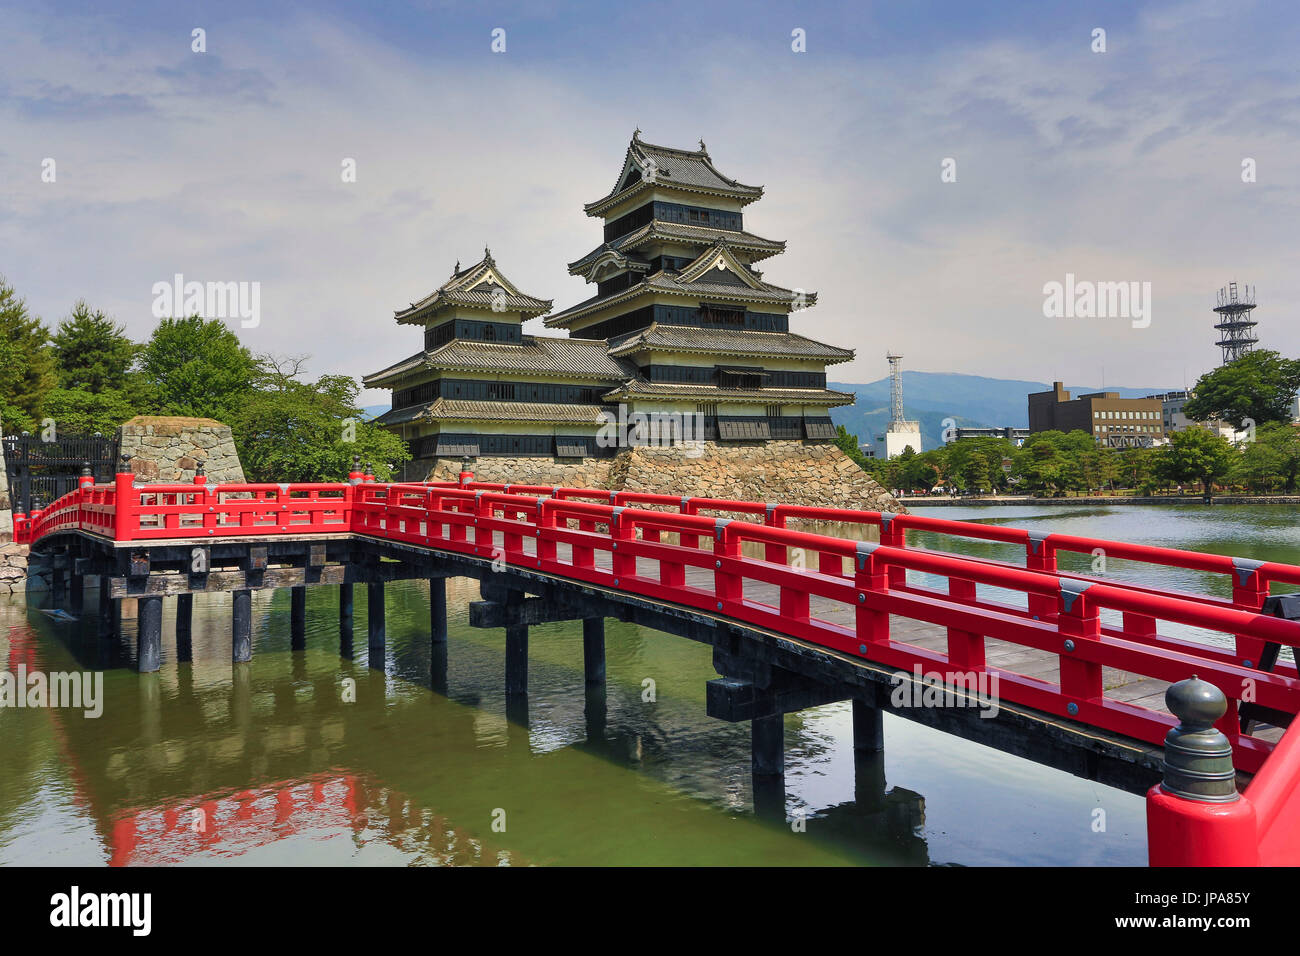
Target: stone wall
{"points": [[792, 472], [587, 473], [14, 576], [169, 449]]}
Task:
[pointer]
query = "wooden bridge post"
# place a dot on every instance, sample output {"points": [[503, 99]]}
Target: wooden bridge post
{"points": [[241, 626], [184, 627], [77, 594], [345, 619], [767, 737], [767, 765], [593, 649], [438, 610], [868, 728], [149, 642], [110, 610], [516, 652], [298, 618], [375, 633]]}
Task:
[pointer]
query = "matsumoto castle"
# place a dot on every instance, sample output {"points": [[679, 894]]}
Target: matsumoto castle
{"points": [[682, 331]]}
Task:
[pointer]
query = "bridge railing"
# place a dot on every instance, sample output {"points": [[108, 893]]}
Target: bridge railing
{"points": [[468, 519], [734, 558]]}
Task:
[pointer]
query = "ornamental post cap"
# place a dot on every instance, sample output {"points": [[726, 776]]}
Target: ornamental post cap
{"points": [[370, 468], [85, 468], [198, 469], [1198, 756], [1197, 703]]}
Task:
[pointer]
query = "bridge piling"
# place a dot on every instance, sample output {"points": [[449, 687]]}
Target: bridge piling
{"points": [[241, 626], [593, 650], [77, 594], [149, 641], [767, 765], [868, 728], [345, 620], [516, 653], [438, 610], [517, 660], [767, 740], [184, 627], [375, 632], [298, 618], [109, 610]]}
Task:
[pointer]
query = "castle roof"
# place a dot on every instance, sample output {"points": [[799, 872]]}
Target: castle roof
{"points": [[756, 247], [745, 342], [481, 286], [716, 274], [646, 166], [639, 388], [464, 410], [544, 354]]}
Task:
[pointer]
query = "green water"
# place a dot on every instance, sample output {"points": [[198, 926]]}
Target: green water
{"points": [[275, 762]]}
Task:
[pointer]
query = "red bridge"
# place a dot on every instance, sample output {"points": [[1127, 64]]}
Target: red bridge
{"points": [[1083, 678]]}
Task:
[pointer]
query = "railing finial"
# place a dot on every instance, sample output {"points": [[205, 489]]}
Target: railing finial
{"points": [[1198, 756]]}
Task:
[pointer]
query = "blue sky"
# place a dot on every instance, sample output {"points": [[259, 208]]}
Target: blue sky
{"points": [[224, 165]]}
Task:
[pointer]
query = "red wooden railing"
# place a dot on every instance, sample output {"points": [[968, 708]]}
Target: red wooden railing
{"points": [[1056, 612]]}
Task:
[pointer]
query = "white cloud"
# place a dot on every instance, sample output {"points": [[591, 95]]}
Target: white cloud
{"points": [[1119, 166]]}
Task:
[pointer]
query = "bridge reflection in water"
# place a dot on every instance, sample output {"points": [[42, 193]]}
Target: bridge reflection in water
{"points": [[269, 763]]}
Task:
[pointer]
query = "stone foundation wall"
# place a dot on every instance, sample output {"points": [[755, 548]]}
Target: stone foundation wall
{"points": [[169, 449], [792, 472], [789, 472], [14, 578], [587, 473]]}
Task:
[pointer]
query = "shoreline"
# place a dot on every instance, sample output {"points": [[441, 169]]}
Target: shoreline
{"points": [[1004, 501]]}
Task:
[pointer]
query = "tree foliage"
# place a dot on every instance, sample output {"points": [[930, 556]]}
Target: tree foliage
{"points": [[1258, 387], [92, 353], [26, 363], [290, 430], [198, 368]]}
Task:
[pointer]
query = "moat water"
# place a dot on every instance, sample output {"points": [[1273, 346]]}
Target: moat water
{"points": [[308, 757]]}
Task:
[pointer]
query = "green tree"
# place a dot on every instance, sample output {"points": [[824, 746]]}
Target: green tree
{"points": [[1199, 454], [1259, 386], [848, 443], [79, 412], [1135, 468], [289, 430], [26, 364], [1272, 460], [198, 367], [976, 474], [91, 352]]}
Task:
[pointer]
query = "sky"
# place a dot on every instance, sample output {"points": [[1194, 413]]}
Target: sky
{"points": [[226, 165]]}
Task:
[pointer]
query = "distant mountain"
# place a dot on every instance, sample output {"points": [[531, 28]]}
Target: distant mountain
{"points": [[970, 400], [373, 411]]}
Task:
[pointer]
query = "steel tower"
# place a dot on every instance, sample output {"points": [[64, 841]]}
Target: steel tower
{"points": [[1236, 327]]}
